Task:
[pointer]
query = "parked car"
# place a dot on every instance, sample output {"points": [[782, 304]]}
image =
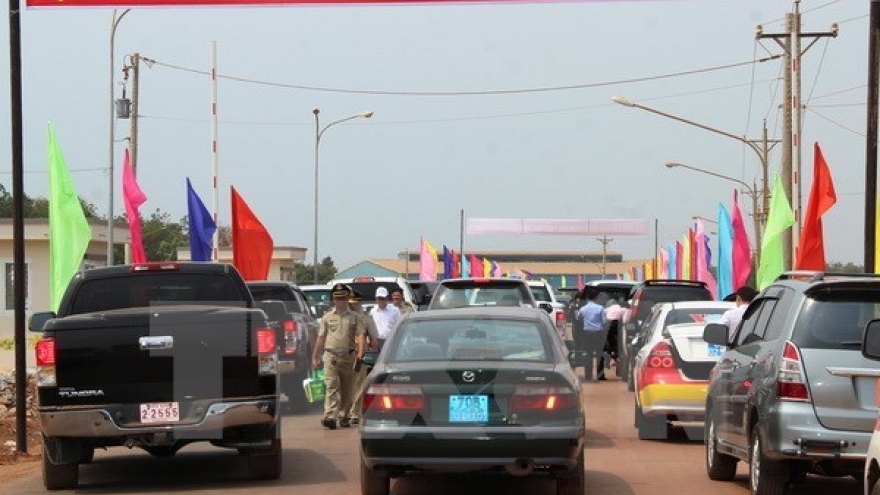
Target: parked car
{"points": [[423, 291], [461, 292], [545, 294], [296, 334], [473, 390], [367, 287], [793, 394], [643, 297], [671, 368], [871, 350], [319, 297]]}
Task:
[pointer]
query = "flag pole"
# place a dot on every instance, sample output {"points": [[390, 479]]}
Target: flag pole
{"points": [[215, 167], [461, 243]]}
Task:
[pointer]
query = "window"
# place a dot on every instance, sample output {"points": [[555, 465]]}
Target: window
{"points": [[10, 286], [749, 322]]}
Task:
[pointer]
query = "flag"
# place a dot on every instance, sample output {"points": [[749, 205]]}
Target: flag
{"points": [[672, 262], [686, 256], [780, 218], [487, 268], [456, 264], [562, 282], [679, 256], [663, 263], [465, 269], [580, 282], [476, 266], [427, 261], [69, 232], [811, 249], [692, 238], [201, 226], [496, 270], [251, 243], [447, 262], [741, 254], [704, 259], [133, 198], [725, 253], [527, 275]]}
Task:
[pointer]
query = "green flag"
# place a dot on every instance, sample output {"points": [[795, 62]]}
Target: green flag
{"points": [[69, 232], [780, 218]]}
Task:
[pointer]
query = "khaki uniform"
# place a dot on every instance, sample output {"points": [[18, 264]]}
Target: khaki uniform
{"points": [[341, 331], [358, 398], [405, 308]]}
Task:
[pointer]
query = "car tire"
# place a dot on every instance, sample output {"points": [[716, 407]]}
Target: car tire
{"points": [[574, 483], [766, 477], [372, 482], [630, 382], [651, 427], [719, 467], [264, 464], [62, 476]]}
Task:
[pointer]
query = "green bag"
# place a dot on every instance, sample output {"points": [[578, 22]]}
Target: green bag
{"points": [[314, 386]]}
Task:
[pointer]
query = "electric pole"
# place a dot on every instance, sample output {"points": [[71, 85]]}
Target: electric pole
{"points": [[134, 67], [871, 141], [605, 241]]}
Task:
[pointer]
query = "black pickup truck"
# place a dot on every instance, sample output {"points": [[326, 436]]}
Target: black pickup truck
{"points": [[157, 356]]}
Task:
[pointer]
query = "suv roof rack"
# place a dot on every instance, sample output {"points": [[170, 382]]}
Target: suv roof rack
{"points": [[668, 281], [816, 276]]}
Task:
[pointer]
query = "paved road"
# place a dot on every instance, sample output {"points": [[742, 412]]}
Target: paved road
{"points": [[317, 461]]}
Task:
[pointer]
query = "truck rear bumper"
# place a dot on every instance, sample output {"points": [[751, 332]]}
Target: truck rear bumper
{"points": [[101, 423]]}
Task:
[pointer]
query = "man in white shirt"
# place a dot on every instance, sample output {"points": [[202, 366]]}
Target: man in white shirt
{"points": [[385, 315], [732, 317]]}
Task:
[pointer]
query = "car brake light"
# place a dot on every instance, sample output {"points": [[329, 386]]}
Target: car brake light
{"points": [[267, 358], [660, 356], [45, 356], [560, 319], [390, 398], [151, 267], [265, 340], [790, 379], [542, 398], [291, 336]]}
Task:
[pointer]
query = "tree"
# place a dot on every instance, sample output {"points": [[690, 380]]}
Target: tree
{"points": [[838, 267], [305, 274], [37, 207]]}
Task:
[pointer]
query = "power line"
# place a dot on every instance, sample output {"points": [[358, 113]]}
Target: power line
{"points": [[861, 86], [328, 89], [834, 122]]}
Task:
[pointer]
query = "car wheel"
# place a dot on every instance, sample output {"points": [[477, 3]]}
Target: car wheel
{"points": [[651, 427], [373, 483], [766, 477], [60, 476], [630, 383], [574, 483], [264, 464], [719, 467]]}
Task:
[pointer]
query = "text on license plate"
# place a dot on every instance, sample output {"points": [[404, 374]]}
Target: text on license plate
{"points": [[468, 408], [160, 412], [716, 350]]}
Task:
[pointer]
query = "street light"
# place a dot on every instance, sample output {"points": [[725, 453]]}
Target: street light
{"points": [[319, 131], [749, 190], [114, 22]]}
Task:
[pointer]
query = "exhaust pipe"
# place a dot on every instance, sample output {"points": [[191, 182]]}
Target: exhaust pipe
{"points": [[520, 467]]}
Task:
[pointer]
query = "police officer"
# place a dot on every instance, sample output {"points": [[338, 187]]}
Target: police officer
{"points": [[340, 342], [372, 343]]}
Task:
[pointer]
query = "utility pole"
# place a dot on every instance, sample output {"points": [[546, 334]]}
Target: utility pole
{"points": [[605, 241], [134, 67], [871, 145], [790, 41]]}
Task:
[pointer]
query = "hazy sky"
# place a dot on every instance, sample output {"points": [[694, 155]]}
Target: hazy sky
{"points": [[408, 172]]}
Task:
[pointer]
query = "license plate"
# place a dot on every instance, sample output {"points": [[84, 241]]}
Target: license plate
{"points": [[160, 412], [716, 350], [468, 408]]}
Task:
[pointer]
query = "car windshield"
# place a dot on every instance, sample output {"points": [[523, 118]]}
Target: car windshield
{"points": [[480, 294], [470, 339], [836, 322]]}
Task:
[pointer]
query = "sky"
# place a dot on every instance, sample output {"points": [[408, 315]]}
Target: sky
{"points": [[469, 114]]}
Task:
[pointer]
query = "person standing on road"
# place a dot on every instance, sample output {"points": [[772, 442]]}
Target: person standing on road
{"points": [[404, 307], [384, 315], [595, 329], [613, 315], [371, 338], [732, 317], [340, 342]]}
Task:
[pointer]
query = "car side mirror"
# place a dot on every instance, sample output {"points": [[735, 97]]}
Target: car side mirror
{"points": [[546, 307], [871, 340], [275, 310], [370, 358], [716, 333], [38, 320]]}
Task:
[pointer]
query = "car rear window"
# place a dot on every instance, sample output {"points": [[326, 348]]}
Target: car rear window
{"points": [[837, 322], [540, 292], [278, 294], [496, 293], [455, 339], [368, 289], [146, 289], [653, 295]]}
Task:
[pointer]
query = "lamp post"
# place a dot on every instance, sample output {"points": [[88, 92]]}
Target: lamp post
{"points": [[319, 131], [114, 22], [762, 151], [749, 190]]}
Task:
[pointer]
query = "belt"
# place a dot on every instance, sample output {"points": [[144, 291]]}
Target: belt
{"points": [[339, 353]]}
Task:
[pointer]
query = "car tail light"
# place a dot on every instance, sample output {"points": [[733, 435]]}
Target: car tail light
{"points": [[658, 367], [791, 383], [45, 355], [560, 319], [152, 267], [660, 356], [266, 347], [538, 399], [291, 336], [393, 398]]}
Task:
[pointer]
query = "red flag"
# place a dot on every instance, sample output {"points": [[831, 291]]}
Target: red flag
{"points": [[742, 259], [456, 264], [679, 260], [476, 266], [251, 243], [692, 254], [133, 198], [811, 251]]}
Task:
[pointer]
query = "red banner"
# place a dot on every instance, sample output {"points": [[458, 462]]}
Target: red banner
{"points": [[202, 3]]}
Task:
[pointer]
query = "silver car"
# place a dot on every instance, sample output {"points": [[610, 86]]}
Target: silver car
{"points": [[793, 394]]}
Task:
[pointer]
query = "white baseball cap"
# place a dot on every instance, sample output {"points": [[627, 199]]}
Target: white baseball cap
{"points": [[382, 292]]}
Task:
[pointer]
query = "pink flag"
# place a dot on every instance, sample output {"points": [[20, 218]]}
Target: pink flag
{"points": [[663, 261], [580, 282], [133, 198], [742, 260], [427, 261], [679, 258], [476, 266], [704, 259]]}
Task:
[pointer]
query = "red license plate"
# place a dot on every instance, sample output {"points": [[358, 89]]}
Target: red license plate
{"points": [[160, 412]]}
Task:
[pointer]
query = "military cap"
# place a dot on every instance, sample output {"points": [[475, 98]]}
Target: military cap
{"points": [[340, 290], [355, 296]]}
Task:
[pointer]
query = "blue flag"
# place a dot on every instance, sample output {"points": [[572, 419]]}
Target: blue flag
{"points": [[725, 253], [673, 262], [447, 263], [201, 226]]}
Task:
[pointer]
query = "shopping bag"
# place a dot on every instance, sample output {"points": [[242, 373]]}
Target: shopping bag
{"points": [[314, 386]]}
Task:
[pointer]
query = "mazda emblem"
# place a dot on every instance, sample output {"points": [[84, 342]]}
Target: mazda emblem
{"points": [[468, 376]]}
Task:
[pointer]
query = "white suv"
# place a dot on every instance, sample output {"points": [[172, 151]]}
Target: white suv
{"points": [[367, 286], [544, 293]]}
